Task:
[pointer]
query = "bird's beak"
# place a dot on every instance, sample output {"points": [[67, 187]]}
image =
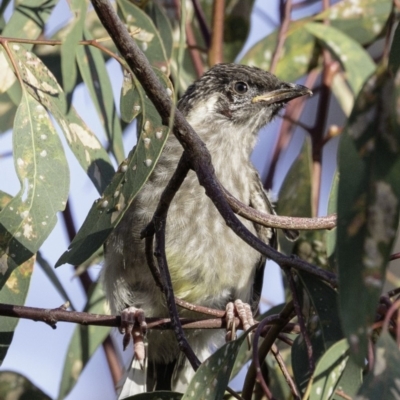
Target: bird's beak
{"points": [[288, 92]]}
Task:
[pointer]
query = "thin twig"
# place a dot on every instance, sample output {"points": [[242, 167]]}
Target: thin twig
{"points": [[300, 318], [285, 21], [285, 372], [277, 221], [284, 317], [215, 55], [201, 19], [256, 361]]}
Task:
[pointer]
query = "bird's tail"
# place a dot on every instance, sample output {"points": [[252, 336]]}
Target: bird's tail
{"points": [[134, 380]]}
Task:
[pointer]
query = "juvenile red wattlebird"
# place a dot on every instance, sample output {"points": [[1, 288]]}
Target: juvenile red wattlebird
{"points": [[208, 263]]}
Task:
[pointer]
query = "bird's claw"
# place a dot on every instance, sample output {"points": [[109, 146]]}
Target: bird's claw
{"points": [[243, 312], [133, 324]]}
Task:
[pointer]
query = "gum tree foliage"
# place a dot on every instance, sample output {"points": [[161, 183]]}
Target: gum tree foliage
{"points": [[342, 342]]}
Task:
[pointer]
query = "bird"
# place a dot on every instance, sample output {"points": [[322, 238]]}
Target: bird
{"points": [[208, 263]]}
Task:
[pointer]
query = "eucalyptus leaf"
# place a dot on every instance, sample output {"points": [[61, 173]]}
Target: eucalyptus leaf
{"points": [[368, 203], [383, 381], [319, 303], [17, 386], [14, 292], [71, 43], [42, 170], [42, 85], [212, 378], [94, 73], [132, 174], [145, 34], [363, 20], [357, 63]]}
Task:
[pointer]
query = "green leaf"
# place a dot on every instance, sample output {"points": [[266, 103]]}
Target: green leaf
{"points": [[42, 169], [211, 379], [297, 55], [161, 21], [331, 234], [357, 63], [319, 301], [28, 19], [13, 292], [132, 174], [129, 101], [42, 85], [350, 380], [84, 342], [94, 73], [71, 44], [368, 204], [145, 34], [363, 21], [329, 371], [16, 386], [236, 27], [383, 381]]}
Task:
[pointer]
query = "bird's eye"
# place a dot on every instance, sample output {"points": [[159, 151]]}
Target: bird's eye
{"points": [[241, 87]]}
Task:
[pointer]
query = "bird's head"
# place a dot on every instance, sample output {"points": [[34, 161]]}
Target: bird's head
{"points": [[241, 94]]}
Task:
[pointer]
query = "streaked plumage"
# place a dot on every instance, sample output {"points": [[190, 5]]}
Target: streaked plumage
{"points": [[209, 264]]}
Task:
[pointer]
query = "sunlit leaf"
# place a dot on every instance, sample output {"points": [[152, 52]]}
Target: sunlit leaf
{"points": [[94, 73], [28, 19], [16, 386], [329, 371], [129, 101], [132, 174], [42, 85], [368, 202], [14, 292], [363, 20], [71, 44], [211, 379], [297, 56], [161, 21], [42, 169], [84, 342], [357, 63], [145, 34]]}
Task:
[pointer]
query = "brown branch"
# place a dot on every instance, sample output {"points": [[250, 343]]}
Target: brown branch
{"points": [[285, 21], [278, 221], [215, 55], [285, 372], [61, 314], [201, 19]]}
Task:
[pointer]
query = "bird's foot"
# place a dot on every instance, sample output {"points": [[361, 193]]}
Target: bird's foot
{"points": [[133, 324], [243, 312]]}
